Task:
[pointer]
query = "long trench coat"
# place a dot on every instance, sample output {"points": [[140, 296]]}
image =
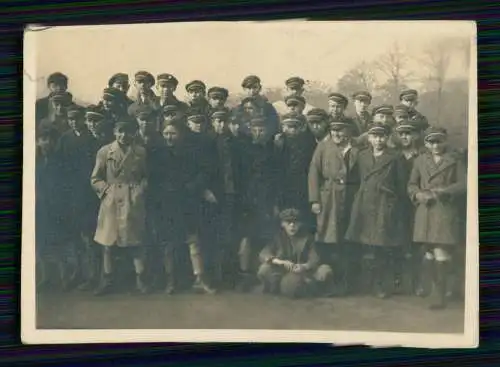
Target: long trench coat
{"points": [[119, 179], [332, 183], [439, 222], [375, 211]]}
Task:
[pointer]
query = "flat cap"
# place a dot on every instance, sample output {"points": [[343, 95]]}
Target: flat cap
{"points": [[290, 100], [259, 121], [409, 94], [379, 129], [293, 119], [112, 94], [75, 111], [408, 126], [195, 85], [362, 96], [401, 109], [250, 81], [94, 112], [317, 114], [144, 112], [126, 122], [170, 108], [222, 114], [341, 123], [57, 78], [384, 109], [167, 78], [338, 97], [290, 215], [145, 76], [434, 132], [63, 97], [118, 77], [294, 82], [220, 92], [197, 118]]}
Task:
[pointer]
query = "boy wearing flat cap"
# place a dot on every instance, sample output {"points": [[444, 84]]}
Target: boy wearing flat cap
{"points": [[258, 197], [120, 81], [56, 83], [294, 86], [294, 151], [318, 123], [167, 85], [409, 98], [333, 181], [50, 246], [148, 135], [112, 105], [253, 87], [290, 265], [375, 210], [119, 179], [143, 82], [57, 118], [77, 157], [437, 183], [197, 90], [217, 97], [382, 114], [337, 104], [362, 101]]}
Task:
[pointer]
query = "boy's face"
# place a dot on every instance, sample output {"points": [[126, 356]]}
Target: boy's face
{"points": [[383, 118], [401, 117], [290, 130], [216, 102], [253, 91], [194, 126], [146, 124], [218, 125], [196, 94], [291, 227], [378, 141], [258, 133], [361, 105], [294, 91], [142, 85], [121, 85], [407, 138], [124, 135], [171, 135], [108, 104], [250, 109], [76, 123], [335, 108], [340, 136], [94, 125], [436, 146], [234, 128], [295, 107], [410, 102], [57, 87], [318, 129], [166, 89]]}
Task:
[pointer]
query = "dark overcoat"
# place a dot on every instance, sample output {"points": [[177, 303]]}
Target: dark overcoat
{"points": [[439, 222], [120, 179], [362, 121], [77, 156], [294, 156], [374, 215], [333, 181]]}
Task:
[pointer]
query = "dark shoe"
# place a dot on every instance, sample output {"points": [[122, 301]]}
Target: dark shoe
{"points": [[140, 284], [87, 286], [105, 287], [424, 284], [201, 285], [247, 282]]}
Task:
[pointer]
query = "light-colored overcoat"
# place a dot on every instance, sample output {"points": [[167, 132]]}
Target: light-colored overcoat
{"points": [[119, 180], [438, 222], [332, 187]]}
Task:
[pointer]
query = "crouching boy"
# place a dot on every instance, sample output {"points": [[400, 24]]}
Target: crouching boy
{"points": [[290, 265]]}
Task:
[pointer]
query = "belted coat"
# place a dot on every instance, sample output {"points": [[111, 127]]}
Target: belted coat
{"points": [[119, 179]]}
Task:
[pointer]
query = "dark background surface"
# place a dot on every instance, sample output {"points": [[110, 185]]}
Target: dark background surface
{"points": [[16, 13]]}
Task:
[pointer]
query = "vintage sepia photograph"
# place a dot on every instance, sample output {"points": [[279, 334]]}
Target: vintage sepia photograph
{"points": [[291, 181]]}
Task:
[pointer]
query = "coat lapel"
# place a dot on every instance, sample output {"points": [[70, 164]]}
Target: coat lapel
{"points": [[120, 158], [379, 163], [436, 169]]}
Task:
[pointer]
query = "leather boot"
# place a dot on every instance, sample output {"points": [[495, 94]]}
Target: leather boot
{"points": [[439, 286], [367, 274], [424, 283], [383, 275], [105, 287], [202, 285]]}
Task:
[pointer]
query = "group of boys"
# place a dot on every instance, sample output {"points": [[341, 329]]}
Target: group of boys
{"points": [[314, 203]]}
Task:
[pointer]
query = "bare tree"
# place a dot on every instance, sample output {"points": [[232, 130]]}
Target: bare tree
{"points": [[360, 77], [393, 65]]}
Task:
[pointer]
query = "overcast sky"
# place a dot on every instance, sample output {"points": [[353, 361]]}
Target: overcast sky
{"points": [[224, 53]]}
